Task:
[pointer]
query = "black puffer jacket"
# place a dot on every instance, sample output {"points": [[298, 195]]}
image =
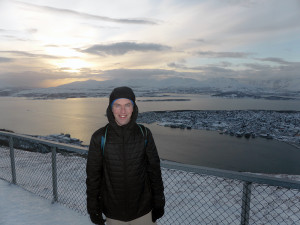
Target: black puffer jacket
{"points": [[125, 181]]}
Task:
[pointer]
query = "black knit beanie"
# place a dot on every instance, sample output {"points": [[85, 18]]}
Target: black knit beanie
{"points": [[121, 92]]}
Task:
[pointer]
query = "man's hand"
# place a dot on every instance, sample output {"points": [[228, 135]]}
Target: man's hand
{"points": [[157, 213], [96, 218]]}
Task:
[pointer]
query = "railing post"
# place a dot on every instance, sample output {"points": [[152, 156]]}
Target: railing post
{"points": [[54, 175], [246, 203], [12, 160]]}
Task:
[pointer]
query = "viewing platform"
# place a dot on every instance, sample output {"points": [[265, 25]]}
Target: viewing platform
{"points": [[20, 207]]}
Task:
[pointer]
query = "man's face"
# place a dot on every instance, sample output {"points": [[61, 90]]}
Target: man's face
{"points": [[122, 110]]}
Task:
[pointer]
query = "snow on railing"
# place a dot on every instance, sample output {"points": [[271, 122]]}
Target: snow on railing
{"points": [[194, 195]]}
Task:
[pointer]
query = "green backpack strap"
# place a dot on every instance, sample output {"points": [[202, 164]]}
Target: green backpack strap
{"points": [[103, 140], [144, 134]]}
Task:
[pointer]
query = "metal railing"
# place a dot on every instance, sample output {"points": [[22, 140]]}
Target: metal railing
{"points": [[194, 195]]}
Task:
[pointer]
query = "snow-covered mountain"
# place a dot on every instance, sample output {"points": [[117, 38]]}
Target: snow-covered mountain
{"points": [[287, 85], [220, 84], [93, 88], [146, 83]]}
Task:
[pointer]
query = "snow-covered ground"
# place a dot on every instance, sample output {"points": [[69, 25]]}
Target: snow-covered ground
{"points": [[190, 198], [20, 207]]}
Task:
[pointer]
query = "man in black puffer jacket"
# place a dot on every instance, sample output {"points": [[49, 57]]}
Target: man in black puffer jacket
{"points": [[124, 176]]}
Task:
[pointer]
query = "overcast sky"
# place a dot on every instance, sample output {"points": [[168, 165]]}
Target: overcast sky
{"points": [[47, 43]]}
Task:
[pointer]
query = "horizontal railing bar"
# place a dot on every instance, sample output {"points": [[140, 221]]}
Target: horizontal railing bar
{"points": [[243, 176], [260, 179]]}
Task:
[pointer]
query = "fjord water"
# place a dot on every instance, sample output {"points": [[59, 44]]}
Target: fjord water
{"points": [[80, 117]]}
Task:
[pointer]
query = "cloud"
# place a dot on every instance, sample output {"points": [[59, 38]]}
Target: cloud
{"points": [[32, 30], [210, 41], [200, 40], [4, 60], [244, 3], [213, 70], [225, 64], [17, 34], [177, 65], [259, 18], [37, 79], [210, 67], [122, 48], [213, 54], [86, 15], [28, 54], [276, 60], [257, 66]]}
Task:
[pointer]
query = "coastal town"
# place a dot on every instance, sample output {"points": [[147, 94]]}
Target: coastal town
{"points": [[279, 125]]}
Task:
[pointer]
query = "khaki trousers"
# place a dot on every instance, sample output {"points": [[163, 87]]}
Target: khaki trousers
{"points": [[144, 220]]}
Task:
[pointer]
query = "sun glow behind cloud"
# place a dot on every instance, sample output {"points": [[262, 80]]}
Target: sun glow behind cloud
{"points": [[71, 65], [62, 51], [68, 60]]}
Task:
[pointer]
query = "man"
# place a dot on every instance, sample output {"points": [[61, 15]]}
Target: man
{"points": [[123, 175]]}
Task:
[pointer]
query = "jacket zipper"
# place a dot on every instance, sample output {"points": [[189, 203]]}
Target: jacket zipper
{"points": [[125, 175]]}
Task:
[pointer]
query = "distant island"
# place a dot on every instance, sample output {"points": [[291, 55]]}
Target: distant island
{"points": [[164, 100], [280, 125], [238, 94]]}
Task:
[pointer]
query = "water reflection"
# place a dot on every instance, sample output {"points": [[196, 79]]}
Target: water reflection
{"points": [[210, 149]]}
